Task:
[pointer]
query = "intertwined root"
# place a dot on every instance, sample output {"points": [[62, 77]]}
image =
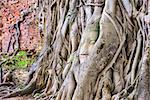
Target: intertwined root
{"points": [[26, 91], [105, 63]]}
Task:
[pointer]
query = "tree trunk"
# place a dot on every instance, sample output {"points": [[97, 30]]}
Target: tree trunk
{"points": [[93, 49]]}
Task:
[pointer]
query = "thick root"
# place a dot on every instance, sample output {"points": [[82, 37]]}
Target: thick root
{"points": [[66, 92], [27, 90]]}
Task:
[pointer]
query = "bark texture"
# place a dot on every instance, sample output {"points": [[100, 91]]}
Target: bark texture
{"points": [[94, 50]]}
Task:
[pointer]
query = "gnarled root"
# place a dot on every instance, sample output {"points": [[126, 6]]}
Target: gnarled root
{"points": [[27, 90], [66, 91]]}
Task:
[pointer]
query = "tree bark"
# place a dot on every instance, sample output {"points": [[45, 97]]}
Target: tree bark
{"points": [[93, 49]]}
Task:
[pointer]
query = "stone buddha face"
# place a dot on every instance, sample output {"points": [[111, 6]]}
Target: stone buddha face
{"points": [[88, 40]]}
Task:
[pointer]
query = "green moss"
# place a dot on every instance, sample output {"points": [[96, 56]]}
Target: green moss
{"points": [[19, 61]]}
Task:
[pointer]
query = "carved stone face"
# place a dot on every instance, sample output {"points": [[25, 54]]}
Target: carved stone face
{"points": [[88, 40]]}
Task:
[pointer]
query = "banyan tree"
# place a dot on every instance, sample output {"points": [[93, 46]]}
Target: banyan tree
{"points": [[92, 50]]}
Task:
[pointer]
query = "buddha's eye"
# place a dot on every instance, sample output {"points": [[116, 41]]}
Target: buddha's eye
{"points": [[92, 42]]}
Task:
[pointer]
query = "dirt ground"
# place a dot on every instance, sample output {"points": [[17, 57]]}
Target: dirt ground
{"points": [[20, 98]]}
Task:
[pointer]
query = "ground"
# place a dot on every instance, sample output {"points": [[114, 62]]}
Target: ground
{"points": [[20, 98]]}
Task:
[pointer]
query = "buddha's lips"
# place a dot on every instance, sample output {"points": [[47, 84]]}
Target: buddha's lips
{"points": [[84, 54], [83, 57]]}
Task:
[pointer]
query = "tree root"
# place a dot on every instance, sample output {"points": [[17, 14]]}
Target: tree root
{"points": [[27, 90], [7, 84], [66, 93], [135, 62], [124, 92]]}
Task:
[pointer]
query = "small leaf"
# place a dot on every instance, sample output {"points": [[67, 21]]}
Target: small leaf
{"points": [[21, 53]]}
